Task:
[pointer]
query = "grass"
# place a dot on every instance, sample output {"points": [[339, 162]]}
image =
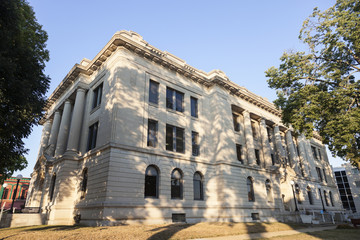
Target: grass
{"points": [[165, 231], [349, 234]]}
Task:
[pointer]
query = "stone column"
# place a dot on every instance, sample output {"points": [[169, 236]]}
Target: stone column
{"points": [[45, 137], [265, 143], [311, 159], [75, 128], [303, 155], [249, 139], [64, 129], [54, 133], [279, 146], [292, 152]]}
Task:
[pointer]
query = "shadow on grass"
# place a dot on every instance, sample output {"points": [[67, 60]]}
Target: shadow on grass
{"points": [[54, 228], [168, 231]]}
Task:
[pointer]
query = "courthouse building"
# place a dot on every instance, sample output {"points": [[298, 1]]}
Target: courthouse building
{"points": [[138, 135]]}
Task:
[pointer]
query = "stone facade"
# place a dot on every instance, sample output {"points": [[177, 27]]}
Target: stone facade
{"points": [[137, 135]]}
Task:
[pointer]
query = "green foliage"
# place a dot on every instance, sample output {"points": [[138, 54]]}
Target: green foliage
{"points": [[320, 90], [23, 83]]}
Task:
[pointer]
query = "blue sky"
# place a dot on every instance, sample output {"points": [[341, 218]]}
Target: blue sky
{"points": [[241, 38]]}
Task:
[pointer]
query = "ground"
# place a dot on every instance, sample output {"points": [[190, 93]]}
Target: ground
{"points": [[170, 231]]}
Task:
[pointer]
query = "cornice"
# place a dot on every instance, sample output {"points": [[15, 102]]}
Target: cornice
{"points": [[135, 43]]}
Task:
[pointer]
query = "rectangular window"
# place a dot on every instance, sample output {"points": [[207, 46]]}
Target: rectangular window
{"points": [[236, 122], [257, 155], [272, 159], [357, 183], [152, 133], [319, 154], [195, 144], [314, 153], [92, 136], [174, 100], [175, 139], [319, 174], [324, 175], [194, 107], [239, 152], [154, 92], [97, 94], [269, 133]]}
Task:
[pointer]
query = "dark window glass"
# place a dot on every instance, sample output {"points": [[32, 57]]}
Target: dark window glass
{"points": [[176, 185], [254, 130], [84, 183], [324, 175], [318, 171], [314, 153], [174, 100], [239, 152], [236, 122], [331, 199], [198, 187], [257, 155], [319, 154], [52, 187], [337, 173], [194, 107], [92, 136], [97, 96], [268, 191], [310, 195], [5, 193], [195, 143], [175, 139], [298, 194], [154, 92], [326, 198], [152, 133], [250, 189], [151, 182], [343, 173], [272, 159]]}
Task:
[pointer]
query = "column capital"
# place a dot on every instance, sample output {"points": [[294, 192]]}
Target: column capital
{"points": [[80, 89]]}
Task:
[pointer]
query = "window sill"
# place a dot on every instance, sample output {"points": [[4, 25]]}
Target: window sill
{"points": [[153, 105], [95, 109], [175, 112]]}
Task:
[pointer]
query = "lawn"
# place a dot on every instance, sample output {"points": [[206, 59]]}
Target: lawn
{"points": [[169, 231], [348, 234]]}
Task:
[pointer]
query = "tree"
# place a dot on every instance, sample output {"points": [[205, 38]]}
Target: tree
{"points": [[320, 90], [23, 83]]}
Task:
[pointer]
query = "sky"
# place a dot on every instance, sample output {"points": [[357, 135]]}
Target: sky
{"points": [[241, 38]]}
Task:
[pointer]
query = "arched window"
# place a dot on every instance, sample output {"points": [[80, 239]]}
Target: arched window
{"points": [[176, 184], [308, 189], [268, 190], [5, 193], [298, 195], [326, 198], [331, 199], [250, 189], [52, 187], [198, 186], [83, 187], [151, 182]]}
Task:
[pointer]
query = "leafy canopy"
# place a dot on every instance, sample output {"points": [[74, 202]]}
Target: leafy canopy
{"points": [[320, 90], [23, 83]]}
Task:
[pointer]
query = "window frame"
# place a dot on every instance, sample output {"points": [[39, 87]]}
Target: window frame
{"points": [[180, 186], [201, 187], [92, 136], [83, 187], [236, 122], [97, 96], [239, 153], [194, 107], [310, 195], [257, 157], [174, 138], [250, 189], [154, 96], [154, 142], [195, 144], [268, 187], [149, 180], [172, 102]]}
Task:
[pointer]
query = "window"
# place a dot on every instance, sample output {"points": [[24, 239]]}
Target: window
{"points": [[319, 153], [151, 182], [311, 201], [239, 153], [176, 184], [97, 96], [254, 129], [174, 100], [52, 187], [92, 136], [268, 190], [198, 186], [272, 159], [331, 199], [195, 143], [152, 133], [175, 139], [297, 193], [194, 107], [325, 175], [83, 186], [326, 198], [257, 155], [154, 92], [250, 189], [357, 183], [5, 193], [236, 122], [314, 153], [318, 171]]}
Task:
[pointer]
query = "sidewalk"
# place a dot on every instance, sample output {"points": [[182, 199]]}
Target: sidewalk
{"points": [[270, 234]]}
